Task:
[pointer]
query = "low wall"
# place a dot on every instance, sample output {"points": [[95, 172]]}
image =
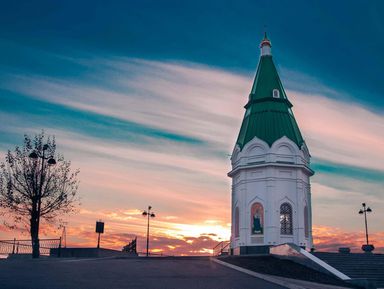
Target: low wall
{"points": [[88, 253]]}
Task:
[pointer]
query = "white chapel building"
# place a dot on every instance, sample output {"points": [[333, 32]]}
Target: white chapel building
{"points": [[271, 195]]}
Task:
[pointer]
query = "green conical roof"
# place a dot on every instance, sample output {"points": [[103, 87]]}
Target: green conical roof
{"points": [[266, 80], [267, 117]]}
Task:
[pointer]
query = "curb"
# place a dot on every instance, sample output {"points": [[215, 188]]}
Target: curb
{"points": [[285, 282]]}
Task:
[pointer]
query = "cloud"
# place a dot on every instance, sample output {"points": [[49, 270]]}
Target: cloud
{"points": [[332, 238], [326, 238], [340, 131], [156, 95], [206, 103], [159, 132], [159, 245], [340, 207]]}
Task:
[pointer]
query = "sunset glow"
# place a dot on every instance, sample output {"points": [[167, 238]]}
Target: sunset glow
{"points": [[157, 127]]}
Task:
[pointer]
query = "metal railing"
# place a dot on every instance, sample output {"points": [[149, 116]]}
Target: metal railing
{"points": [[221, 249], [25, 246], [160, 254]]}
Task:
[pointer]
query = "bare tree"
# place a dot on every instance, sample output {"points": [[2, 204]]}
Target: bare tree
{"points": [[37, 184]]}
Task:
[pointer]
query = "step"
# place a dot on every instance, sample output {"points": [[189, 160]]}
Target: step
{"points": [[366, 266]]}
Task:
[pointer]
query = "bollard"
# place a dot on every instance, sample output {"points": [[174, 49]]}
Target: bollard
{"points": [[14, 245], [59, 249]]}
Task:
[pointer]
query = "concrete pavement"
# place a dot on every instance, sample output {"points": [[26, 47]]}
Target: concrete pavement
{"points": [[132, 273]]}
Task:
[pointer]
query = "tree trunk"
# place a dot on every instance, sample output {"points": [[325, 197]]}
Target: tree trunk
{"points": [[35, 233]]}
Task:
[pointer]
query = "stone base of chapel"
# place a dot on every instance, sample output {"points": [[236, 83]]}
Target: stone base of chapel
{"points": [[249, 250]]}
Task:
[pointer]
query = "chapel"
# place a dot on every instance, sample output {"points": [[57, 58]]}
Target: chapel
{"points": [[271, 193]]}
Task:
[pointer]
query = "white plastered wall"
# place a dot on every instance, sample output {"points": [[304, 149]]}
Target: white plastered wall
{"points": [[271, 176]]}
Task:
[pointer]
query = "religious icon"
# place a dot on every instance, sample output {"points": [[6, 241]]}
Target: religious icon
{"points": [[257, 218]]}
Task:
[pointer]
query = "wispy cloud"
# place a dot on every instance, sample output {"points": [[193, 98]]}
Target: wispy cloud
{"points": [[159, 132], [340, 131], [206, 103]]}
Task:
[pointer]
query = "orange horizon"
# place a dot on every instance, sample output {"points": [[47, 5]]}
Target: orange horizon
{"points": [[326, 238]]}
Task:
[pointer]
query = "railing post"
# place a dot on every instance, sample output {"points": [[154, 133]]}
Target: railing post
{"points": [[17, 248], [14, 245], [59, 249]]}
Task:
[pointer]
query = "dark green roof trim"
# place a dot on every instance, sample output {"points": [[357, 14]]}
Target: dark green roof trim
{"points": [[253, 101], [266, 117]]}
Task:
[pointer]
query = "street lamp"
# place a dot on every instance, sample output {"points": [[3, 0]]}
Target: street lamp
{"points": [[51, 161], [152, 215], [367, 247]]}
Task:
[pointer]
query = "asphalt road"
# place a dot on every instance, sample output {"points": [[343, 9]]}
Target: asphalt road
{"points": [[153, 273]]}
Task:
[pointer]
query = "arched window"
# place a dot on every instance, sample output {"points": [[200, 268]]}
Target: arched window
{"points": [[286, 219], [306, 227], [276, 93], [237, 222], [257, 219]]}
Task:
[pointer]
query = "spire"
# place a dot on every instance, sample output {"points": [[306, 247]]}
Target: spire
{"points": [[268, 113], [267, 81], [265, 45]]}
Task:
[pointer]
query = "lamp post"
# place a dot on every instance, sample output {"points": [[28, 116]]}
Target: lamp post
{"points": [[367, 247], [152, 215], [51, 161]]}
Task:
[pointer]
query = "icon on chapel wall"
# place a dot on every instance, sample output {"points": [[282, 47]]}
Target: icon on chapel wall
{"points": [[257, 214]]}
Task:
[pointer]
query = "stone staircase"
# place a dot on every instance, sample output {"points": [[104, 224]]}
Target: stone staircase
{"points": [[357, 265]]}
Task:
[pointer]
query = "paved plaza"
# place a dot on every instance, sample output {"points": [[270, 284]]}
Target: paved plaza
{"points": [[154, 273]]}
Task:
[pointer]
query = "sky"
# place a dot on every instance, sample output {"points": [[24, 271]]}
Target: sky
{"points": [[146, 99]]}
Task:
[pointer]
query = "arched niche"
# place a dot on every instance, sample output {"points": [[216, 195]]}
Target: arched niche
{"points": [[284, 149], [257, 218], [237, 222], [284, 146], [306, 221], [256, 150]]}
